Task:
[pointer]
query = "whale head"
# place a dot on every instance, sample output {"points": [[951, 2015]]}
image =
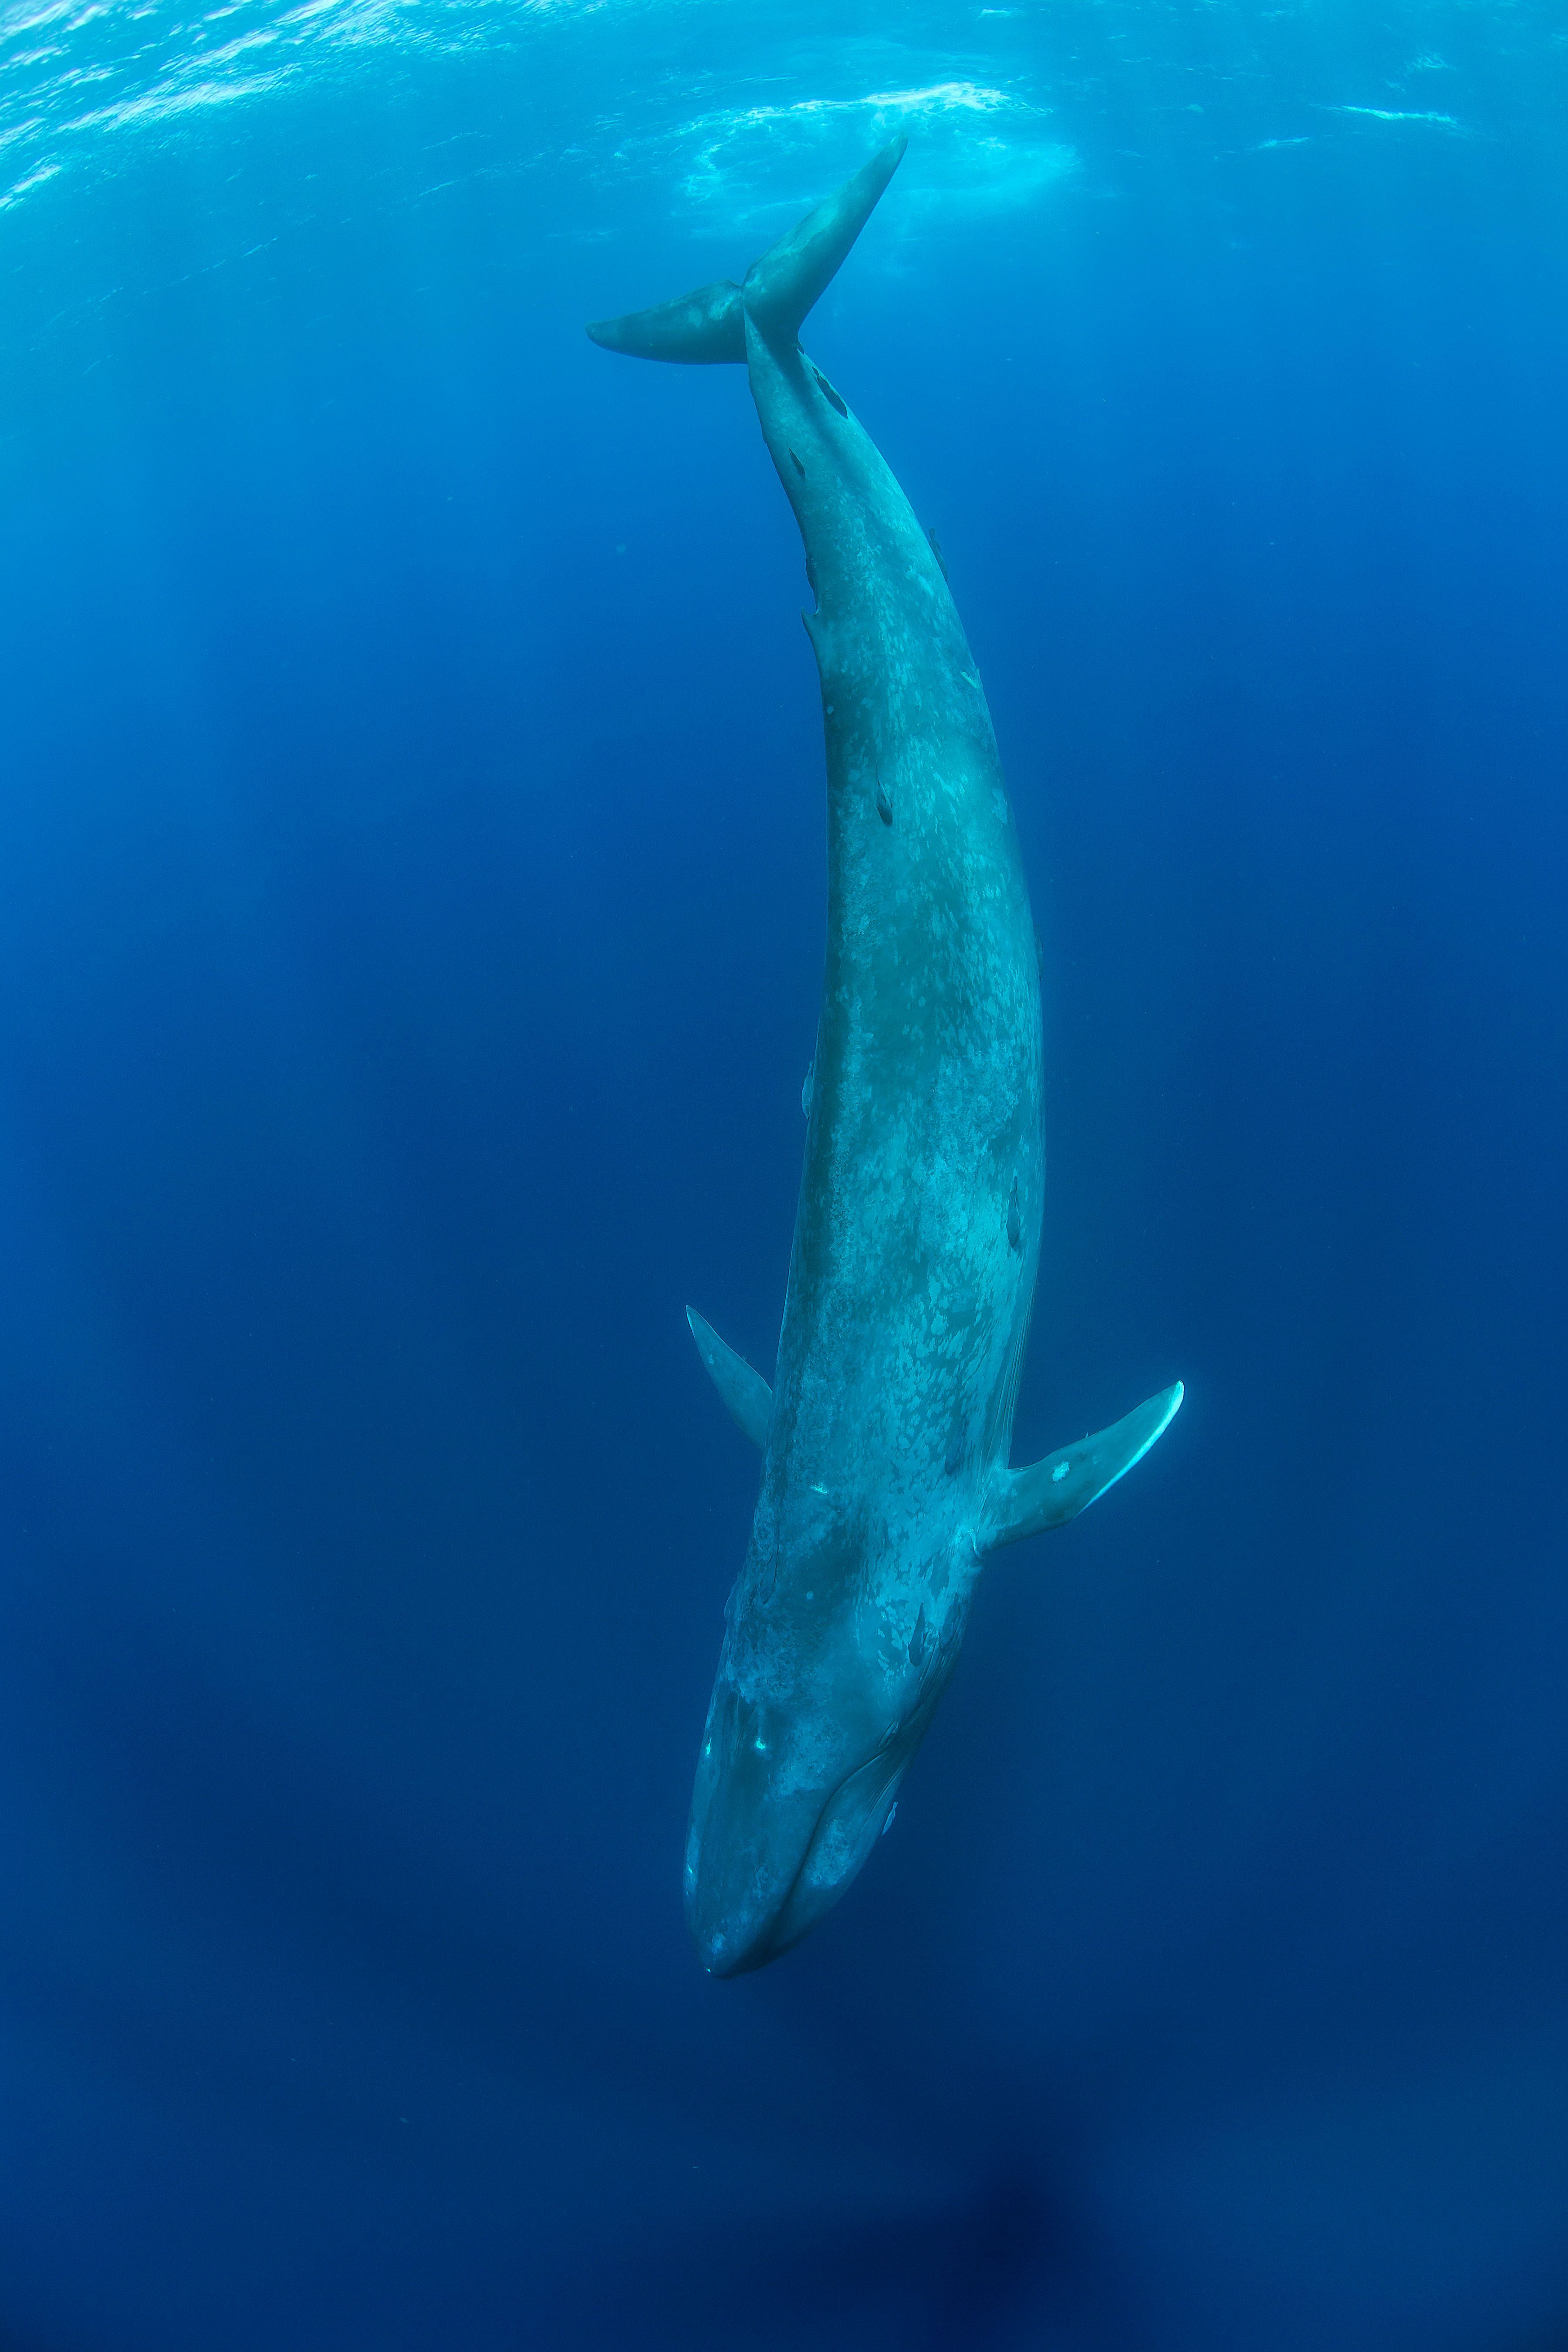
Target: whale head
{"points": [[809, 1733], [780, 1823]]}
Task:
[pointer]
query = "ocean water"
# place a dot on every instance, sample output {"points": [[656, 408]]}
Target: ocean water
{"points": [[410, 922]]}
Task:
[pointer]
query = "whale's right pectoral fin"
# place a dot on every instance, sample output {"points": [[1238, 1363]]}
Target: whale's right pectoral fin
{"points": [[744, 1392], [1050, 1492]]}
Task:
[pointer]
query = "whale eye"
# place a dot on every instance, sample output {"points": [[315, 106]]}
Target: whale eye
{"points": [[884, 805], [799, 468]]}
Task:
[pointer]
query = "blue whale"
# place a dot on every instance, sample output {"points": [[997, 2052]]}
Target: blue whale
{"points": [[885, 1435]]}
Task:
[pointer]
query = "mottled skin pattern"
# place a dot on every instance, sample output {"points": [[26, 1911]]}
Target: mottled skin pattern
{"points": [[916, 1236], [886, 1438]]}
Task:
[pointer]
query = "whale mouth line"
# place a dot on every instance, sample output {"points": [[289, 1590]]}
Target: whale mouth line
{"points": [[768, 1944], [763, 1947]]}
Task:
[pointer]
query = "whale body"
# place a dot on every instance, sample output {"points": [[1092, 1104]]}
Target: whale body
{"points": [[886, 1429]]}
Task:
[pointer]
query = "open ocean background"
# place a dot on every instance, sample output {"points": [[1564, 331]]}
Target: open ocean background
{"points": [[411, 913]]}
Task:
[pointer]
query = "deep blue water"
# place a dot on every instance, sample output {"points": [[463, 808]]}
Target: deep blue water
{"points": [[411, 913]]}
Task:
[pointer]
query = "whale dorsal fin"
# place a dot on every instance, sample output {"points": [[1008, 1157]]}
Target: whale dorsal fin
{"points": [[1050, 1492], [744, 1392]]}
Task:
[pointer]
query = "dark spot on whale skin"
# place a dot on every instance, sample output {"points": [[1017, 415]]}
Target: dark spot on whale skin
{"points": [[829, 395], [884, 805], [799, 468], [1015, 1222]]}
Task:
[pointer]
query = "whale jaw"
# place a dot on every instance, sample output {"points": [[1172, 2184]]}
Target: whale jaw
{"points": [[734, 1938], [850, 1822], [764, 1864]]}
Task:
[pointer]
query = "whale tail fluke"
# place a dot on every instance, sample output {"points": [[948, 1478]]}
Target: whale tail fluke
{"points": [[709, 326], [1050, 1492]]}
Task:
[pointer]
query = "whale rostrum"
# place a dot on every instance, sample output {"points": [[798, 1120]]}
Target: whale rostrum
{"points": [[885, 1435]]}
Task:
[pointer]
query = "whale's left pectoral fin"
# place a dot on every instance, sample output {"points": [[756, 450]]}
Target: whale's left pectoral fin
{"points": [[745, 1393], [1049, 1493]]}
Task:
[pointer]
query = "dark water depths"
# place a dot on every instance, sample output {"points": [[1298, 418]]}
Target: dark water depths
{"points": [[411, 906]]}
